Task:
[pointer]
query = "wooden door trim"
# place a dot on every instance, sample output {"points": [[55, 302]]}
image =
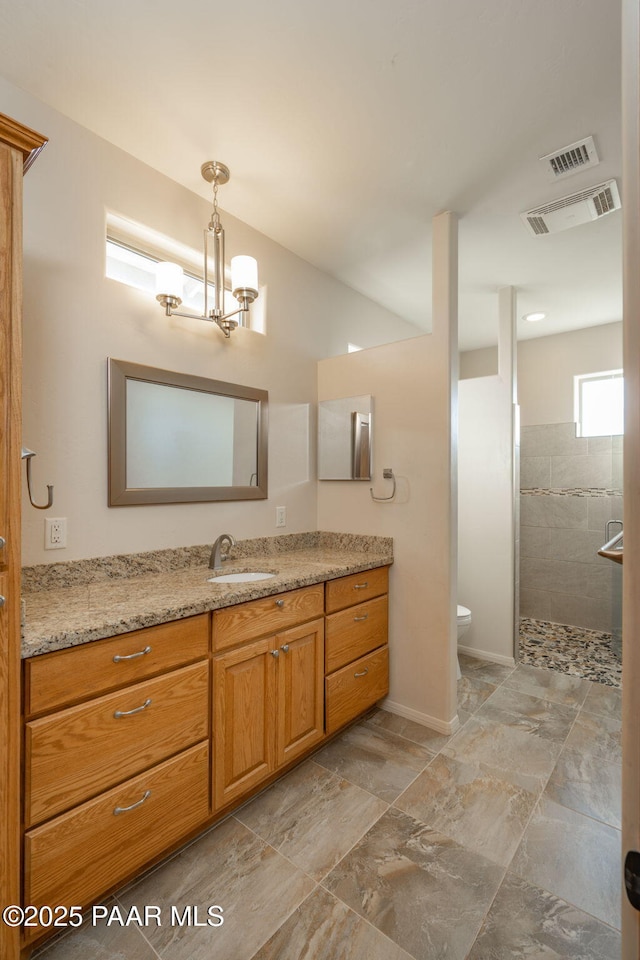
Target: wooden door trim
{"points": [[19, 146]]}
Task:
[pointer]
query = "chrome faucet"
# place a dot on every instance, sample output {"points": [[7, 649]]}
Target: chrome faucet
{"points": [[217, 556]]}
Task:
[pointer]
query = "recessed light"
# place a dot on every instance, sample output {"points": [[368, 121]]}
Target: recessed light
{"points": [[534, 317]]}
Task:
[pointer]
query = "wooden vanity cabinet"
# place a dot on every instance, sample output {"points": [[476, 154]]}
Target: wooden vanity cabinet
{"points": [[268, 693], [125, 755], [357, 652], [114, 780]]}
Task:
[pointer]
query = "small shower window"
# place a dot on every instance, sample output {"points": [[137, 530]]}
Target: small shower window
{"points": [[599, 404]]}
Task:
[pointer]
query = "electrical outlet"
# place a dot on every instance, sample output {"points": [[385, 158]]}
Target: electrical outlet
{"points": [[281, 516], [55, 533]]}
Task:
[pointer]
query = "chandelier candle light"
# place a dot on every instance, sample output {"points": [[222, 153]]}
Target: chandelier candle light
{"points": [[244, 270]]}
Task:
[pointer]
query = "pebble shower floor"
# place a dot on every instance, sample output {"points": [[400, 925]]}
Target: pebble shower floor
{"points": [[572, 650]]}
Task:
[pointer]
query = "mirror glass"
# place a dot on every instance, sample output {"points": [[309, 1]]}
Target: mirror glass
{"points": [[344, 438], [175, 438]]}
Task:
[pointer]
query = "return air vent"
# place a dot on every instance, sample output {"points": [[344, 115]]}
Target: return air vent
{"points": [[573, 210], [572, 159]]}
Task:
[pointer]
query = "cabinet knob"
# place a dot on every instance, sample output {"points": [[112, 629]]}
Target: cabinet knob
{"points": [[2, 601], [275, 653], [3, 543], [280, 603], [285, 648]]}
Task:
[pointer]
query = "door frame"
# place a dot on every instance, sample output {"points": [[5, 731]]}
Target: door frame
{"points": [[19, 147], [631, 354]]}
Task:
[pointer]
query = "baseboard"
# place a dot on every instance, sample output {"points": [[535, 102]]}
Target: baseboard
{"points": [[440, 726], [485, 655]]}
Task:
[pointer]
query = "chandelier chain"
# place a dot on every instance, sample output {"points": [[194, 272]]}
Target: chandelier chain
{"points": [[215, 216]]}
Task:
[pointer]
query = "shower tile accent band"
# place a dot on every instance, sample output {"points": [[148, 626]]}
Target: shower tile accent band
{"points": [[569, 492]]}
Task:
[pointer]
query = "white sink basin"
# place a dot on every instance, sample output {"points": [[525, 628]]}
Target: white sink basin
{"points": [[240, 577]]}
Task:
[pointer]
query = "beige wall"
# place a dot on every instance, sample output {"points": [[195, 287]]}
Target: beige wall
{"points": [[547, 366], [403, 379], [479, 363], [411, 385], [74, 318]]}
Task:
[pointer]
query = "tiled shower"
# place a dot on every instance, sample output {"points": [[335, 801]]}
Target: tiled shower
{"points": [[570, 487]]}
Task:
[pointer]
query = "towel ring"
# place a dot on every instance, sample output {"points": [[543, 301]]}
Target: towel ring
{"points": [[387, 474]]}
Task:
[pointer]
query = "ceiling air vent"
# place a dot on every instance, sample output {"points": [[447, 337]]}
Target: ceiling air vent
{"points": [[571, 211], [572, 159]]}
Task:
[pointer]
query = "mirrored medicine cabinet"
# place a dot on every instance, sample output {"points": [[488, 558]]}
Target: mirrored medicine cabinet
{"points": [[179, 438], [345, 438]]}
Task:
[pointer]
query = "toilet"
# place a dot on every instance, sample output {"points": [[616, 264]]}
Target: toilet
{"points": [[464, 622]]}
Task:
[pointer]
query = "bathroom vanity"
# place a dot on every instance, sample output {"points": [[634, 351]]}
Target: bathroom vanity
{"points": [[134, 743]]}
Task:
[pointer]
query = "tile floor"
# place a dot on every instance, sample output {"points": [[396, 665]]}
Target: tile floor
{"points": [[393, 842]]}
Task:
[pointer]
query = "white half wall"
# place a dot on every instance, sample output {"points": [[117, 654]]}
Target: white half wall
{"points": [[411, 383], [487, 552]]}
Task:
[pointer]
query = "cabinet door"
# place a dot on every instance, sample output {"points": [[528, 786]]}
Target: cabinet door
{"points": [[244, 694], [300, 690]]}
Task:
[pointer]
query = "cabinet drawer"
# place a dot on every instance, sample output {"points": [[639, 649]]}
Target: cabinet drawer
{"points": [[270, 615], [357, 587], [355, 631], [81, 751], [76, 857], [354, 688], [68, 676]]}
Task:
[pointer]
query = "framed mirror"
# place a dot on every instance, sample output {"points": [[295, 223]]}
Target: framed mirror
{"points": [[178, 438], [344, 438]]}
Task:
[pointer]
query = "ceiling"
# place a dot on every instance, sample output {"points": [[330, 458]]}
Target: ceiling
{"points": [[348, 125]]}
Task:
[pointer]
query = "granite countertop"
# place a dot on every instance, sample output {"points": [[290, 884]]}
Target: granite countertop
{"points": [[62, 612]]}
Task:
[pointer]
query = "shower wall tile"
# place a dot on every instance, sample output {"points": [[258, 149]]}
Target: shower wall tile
{"points": [[567, 577], [616, 479], [535, 472], [552, 440], [581, 471], [600, 445], [562, 579], [600, 510], [535, 604], [580, 545], [548, 510], [581, 612], [536, 541]]}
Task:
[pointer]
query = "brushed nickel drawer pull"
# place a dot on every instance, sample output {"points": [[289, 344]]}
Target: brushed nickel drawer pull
{"points": [[275, 653], [359, 619], [363, 674], [129, 713], [133, 806], [280, 603], [132, 656], [361, 586], [285, 648]]}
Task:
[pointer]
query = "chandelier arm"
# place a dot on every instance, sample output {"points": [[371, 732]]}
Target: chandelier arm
{"points": [[198, 316]]}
